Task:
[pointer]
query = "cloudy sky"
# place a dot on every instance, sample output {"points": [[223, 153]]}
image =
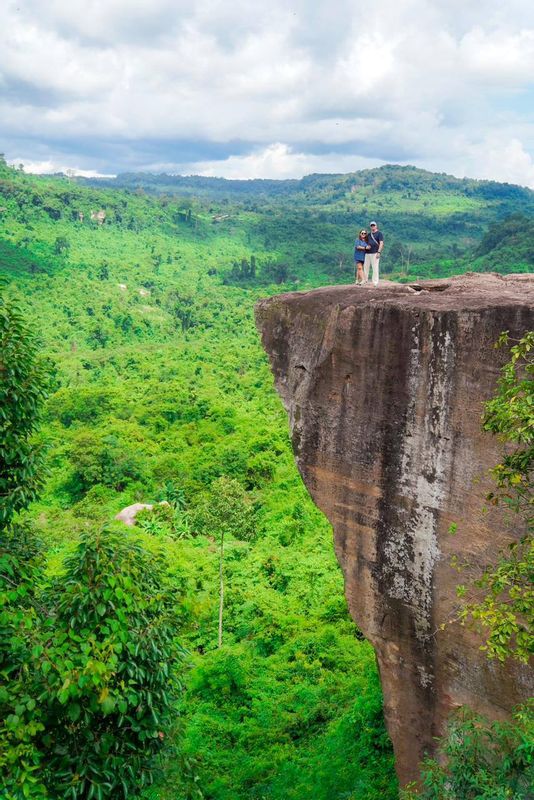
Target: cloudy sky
{"points": [[277, 89]]}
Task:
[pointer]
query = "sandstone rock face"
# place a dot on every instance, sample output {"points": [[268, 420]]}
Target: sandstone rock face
{"points": [[384, 390]]}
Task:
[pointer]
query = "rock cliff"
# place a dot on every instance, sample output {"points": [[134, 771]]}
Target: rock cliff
{"points": [[384, 390]]}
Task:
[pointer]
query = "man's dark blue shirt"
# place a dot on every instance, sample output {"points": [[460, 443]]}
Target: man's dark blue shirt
{"points": [[378, 237]]}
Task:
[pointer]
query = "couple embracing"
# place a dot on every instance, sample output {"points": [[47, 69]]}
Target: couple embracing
{"points": [[367, 250]]}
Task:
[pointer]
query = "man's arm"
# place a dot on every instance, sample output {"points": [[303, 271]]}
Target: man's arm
{"points": [[380, 244]]}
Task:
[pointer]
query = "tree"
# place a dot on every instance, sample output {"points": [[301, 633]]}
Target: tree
{"points": [[225, 510], [241, 273], [61, 245], [91, 669], [276, 272], [109, 460], [107, 668], [20, 716], [103, 272], [506, 612], [24, 386]]}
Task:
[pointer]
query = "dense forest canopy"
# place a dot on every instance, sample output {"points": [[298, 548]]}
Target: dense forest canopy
{"points": [[141, 289]]}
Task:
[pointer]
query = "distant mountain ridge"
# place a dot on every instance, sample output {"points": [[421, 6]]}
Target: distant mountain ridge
{"points": [[387, 177]]}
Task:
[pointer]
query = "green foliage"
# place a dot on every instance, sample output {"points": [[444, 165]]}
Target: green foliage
{"points": [[24, 381], [20, 715], [163, 393], [510, 413], [91, 671], [61, 245], [109, 668], [513, 235], [308, 723], [506, 611], [483, 761], [224, 509], [161, 520], [103, 458], [243, 272]]}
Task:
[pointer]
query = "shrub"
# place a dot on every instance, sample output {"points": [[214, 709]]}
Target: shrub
{"points": [[483, 761]]}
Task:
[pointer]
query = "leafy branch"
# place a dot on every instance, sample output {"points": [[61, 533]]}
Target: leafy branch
{"points": [[506, 610]]}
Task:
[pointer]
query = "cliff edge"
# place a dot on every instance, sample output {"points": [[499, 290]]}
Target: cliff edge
{"points": [[384, 390]]}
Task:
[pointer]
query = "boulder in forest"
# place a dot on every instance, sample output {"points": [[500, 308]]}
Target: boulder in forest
{"points": [[128, 515]]}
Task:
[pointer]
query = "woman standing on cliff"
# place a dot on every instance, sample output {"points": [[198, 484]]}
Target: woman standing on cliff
{"points": [[360, 246]]}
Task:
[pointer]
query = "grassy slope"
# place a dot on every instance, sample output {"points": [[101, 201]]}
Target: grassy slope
{"points": [[160, 374]]}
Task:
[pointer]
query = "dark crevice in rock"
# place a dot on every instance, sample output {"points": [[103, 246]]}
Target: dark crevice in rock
{"points": [[429, 287]]}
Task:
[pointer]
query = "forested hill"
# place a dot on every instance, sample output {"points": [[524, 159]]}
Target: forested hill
{"points": [[433, 223], [318, 188], [143, 300]]}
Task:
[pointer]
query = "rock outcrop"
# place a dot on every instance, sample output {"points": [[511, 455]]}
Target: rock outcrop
{"points": [[384, 390], [128, 515], [99, 216]]}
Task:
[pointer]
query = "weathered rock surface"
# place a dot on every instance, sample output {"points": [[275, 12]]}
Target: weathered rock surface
{"points": [[384, 390]]}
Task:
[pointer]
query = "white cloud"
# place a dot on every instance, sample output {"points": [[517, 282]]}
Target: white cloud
{"points": [[280, 161], [52, 167], [112, 84], [500, 57], [501, 159]]}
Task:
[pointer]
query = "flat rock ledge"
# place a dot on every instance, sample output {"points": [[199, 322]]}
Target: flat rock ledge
{"points": [[384, 390]]}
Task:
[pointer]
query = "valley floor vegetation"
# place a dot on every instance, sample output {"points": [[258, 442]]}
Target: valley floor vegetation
{"points": [[120, 677]]}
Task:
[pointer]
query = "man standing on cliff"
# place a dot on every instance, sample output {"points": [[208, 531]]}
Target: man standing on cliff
{"points": [[372, 257]]}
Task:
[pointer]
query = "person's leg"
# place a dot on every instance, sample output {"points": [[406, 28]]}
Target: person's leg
{"points": [[376, 264], [366, 265], [370, 260]]}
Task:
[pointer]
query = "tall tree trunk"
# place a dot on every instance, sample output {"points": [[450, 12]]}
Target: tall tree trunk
{"points": [[221, 589]]}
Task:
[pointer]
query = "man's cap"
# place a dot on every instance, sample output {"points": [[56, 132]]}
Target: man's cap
{"points": [[373, 223]]}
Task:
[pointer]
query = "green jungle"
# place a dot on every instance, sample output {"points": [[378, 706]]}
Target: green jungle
{"points": [[132, 301]]}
